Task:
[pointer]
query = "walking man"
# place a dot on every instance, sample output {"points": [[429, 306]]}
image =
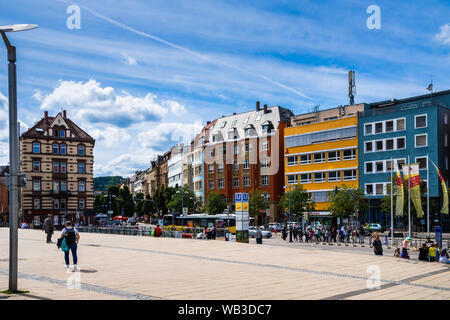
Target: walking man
{"points": [[377, 247], [258, 236], [48, 228]]}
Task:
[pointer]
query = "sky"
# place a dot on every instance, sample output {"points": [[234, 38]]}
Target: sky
{"points": [[140, 76]]}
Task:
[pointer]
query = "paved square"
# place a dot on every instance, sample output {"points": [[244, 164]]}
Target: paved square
{"points": [[133, 267]]}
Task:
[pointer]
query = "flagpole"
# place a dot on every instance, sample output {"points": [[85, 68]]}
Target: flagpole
{"points": [[409, 198], [392, 204], [428, 197]]}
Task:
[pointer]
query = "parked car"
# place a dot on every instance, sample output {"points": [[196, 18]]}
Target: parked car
{"points": [[252, 233], [375, 227]]}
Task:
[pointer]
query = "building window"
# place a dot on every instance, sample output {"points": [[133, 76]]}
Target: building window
{"points": [[63, 186], [319, 177], [36, 203], [390, 144], [321, 196], [236, 166], [379, 127], [211, 184], [63, 167], [36, 166], [264, 180], [369, 145], [334, 176], [211, 153], [81, 204], [400, 124], [56, 186], [63, 204], [334, 156], [265, 163], [81, 167], [368, 129], [422, 161], [379, 166], [63, 149], [246, 181], [421, 140], [236, 149], [319, 157], [292, 161], [305, 159], [246, 164], [81, 150], [265, 146], [349, 154], [221, 183], [305, 178], [36, 185], [220, 167], [292, 179], [379, 145], [81, 186], [369, 167], [63, 133], [36, 147], [388, 165], [369, 188], [390, 126], [349, 175], [55, 204], [211, 168], [379, 188], [420, 121], [400, 163], [236, 182], [55, 167], [401, 144], [55, 149]]}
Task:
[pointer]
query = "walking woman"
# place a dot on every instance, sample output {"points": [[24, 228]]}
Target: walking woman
{"points": [[70, 238], [377, 247]]}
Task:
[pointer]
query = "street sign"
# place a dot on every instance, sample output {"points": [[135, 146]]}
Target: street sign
{"points": [[245, 197], [237, 197], [238, 206], [185, 211], [243, 216], [245, 206]]}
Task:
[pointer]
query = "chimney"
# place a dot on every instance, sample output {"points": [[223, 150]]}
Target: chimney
{"points": [[208, 122], [64, 114], [265, 108], [258, 107], [46, 115]]}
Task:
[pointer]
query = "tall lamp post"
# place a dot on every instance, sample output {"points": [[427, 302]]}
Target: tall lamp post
{"points": [[13, 151], [290, 230], [182, 206]]}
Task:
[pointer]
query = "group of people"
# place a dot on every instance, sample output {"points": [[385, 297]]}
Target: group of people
{"points": [[431, 252], [209, 233]]}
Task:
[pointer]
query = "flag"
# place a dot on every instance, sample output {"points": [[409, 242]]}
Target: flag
{"points": [[399, 192], [444, 191], [412, 180]]}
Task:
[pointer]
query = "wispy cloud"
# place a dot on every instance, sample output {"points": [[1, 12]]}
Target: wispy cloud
{"points": [[444, 35]]}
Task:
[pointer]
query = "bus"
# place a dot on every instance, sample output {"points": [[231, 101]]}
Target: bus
{"points": [[199, 221]]}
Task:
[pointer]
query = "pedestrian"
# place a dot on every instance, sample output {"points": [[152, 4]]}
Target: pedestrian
{"points": [[275, 228], [438, 251], [404, 254], [157, 231], [284, 233], [377, 247], [258, 236], [295, 232], [432, 252], [213, 232], [428, 242], [48, 228], [209, 234], [70, 238], [423, 252]]}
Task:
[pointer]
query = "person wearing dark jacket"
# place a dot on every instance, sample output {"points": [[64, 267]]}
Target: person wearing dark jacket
{"points": [[377, 247], [48, 228], [284, 233], [423, 252]]}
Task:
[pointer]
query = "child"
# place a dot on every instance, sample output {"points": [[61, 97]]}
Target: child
{"points": [[396, 253], [432, 251]]}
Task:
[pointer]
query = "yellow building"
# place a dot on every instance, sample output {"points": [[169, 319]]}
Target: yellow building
{"points": [[321, 153]]}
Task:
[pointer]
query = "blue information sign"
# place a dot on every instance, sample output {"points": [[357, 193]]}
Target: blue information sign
{"points": [[245, 197], [237, 197]]}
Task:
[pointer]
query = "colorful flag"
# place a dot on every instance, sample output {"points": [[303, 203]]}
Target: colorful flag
{"points": [[412, 180], [399, 192], [444, 191]]}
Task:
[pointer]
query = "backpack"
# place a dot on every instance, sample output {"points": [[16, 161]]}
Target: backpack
{"points": [[70, 237]]}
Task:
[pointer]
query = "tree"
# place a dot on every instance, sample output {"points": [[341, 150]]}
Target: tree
{"points": [[301, 201], [99, 203], [139, 204], [257, 202], [188, 200], [343, 201], [124, 203], [215, 205]]}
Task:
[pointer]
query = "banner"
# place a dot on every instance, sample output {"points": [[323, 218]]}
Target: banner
{"points": [[412, 180], [399, 192], [444, 191]]}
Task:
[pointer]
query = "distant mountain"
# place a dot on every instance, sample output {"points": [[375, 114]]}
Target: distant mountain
{"points": [[102, 183]]}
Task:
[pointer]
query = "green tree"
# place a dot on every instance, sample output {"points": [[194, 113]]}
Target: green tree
{"points": [[343, 201], [257, 202], [214, 204], [187, 200], [99, 203], [124, 203], [301, 201], [139, 204]]}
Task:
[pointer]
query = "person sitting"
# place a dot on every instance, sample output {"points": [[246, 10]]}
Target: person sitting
{"points": [[396, 253], [423, 252], [158, 231], [444, 256], [432, 251], [405, 254]]}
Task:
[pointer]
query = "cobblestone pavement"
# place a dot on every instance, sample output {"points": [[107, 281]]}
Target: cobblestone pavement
{"points": [[133, 267]]}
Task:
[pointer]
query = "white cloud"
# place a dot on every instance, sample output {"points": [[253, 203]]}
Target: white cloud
{"points": [[175, 107], [111, 136], [129, 59], [37, 95], [124, 165], [443, 36]]}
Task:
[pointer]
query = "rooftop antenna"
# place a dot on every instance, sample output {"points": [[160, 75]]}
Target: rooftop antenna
{"points": [[351, 87], [430, 88]]}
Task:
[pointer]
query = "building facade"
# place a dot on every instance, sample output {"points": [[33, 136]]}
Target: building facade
{"points": [[321, 153], [403, 130], [57, 157], [175, 166], [4, 195]]}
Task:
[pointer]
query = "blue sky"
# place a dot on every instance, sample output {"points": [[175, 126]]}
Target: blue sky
{"points": [[138, 75]]}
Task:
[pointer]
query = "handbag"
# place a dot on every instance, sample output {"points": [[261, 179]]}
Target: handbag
{"points": [[64, 246], [58, 244]]}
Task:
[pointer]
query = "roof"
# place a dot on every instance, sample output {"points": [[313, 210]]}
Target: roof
{"points": [[410, 99]]}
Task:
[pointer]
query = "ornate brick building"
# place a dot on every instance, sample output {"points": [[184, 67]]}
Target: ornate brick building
{"points": [[57, 157]]}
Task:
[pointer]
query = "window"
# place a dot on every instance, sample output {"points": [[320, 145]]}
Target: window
{"points": [[55, 132], [63, 186], [246, 181], [224, 150], [36, 185], [36, 147], [63, 204], [211, 168], [319, 177], [55, 167], [369, 146], [236, 150], [305, 159], [401, 143], [55, 204], [292, 179], [420, 121], [56, 186], [421, 140], [400, 163], [81, 167], [63, 167], [264, 180], [63, 133], [400, 124], [369, 189], [221, 183], [292, 161], [81, 186], [81, 204], [445, 118], [236, 166], [379, 166], [249, 132], [55, 149], [36, 166], [220, 167], [349, 154], [368, 129], [81, 150], [319, 157], [388, 165], [446, 140], [334, 176], [422, 161], [211, 153], [369, 167], [321, 196], [36, 203], [265, 163], [63, 149], [334, 156], [305, 178], [379, 188], [390, 126], [264, 146], [231, 135], [349, 175], [379, 127], [379, 145], [246, 164], [390, 144], [236, 182], [316, 137], [210, 184], [266, 128]]}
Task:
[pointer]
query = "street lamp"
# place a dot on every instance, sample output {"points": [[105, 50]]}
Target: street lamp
{"points": [[182, 207], [13, 150], [290, 230]]}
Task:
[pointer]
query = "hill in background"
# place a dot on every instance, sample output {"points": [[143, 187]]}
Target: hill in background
{"points": [[102, 183]]}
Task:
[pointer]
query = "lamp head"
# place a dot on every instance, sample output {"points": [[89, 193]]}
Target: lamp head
{"points": [[18, 27]]}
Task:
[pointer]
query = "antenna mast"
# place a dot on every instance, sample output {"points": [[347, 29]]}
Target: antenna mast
{"points": [[351, 87]]}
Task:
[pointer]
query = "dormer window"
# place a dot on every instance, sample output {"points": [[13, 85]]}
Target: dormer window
{"points": [[267, 127], [55, 132], [223, 124], [232, 133], [63, 133]]}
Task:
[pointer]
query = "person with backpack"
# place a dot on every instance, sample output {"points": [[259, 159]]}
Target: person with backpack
{"points": [[69, 240]]}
